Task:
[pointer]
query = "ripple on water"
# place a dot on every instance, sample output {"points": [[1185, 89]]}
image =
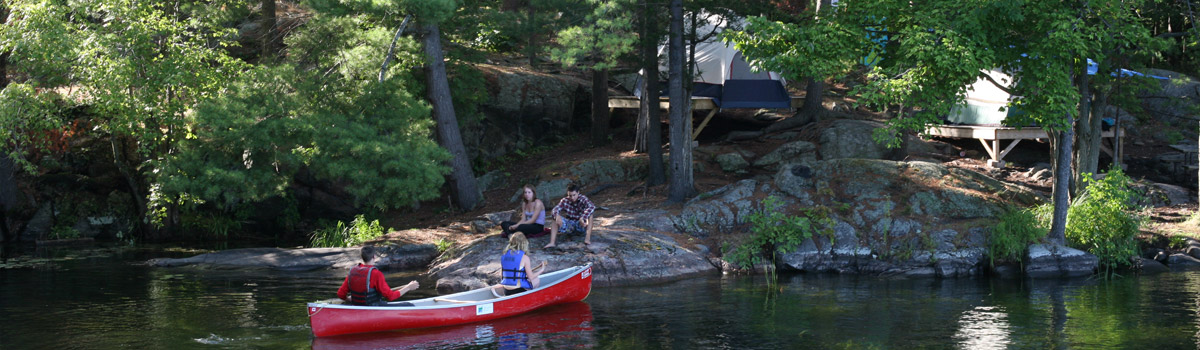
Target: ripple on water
{"points": [[984, 327], [214, 339]]}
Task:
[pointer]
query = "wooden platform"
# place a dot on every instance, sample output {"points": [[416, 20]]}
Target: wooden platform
{"points": [[698, 103], [990, 137]]}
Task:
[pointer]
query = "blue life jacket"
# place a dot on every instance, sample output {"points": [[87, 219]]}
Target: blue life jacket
{"points": [[513, 274], [361, 292]]}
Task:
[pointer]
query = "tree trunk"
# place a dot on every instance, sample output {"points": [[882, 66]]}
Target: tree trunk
{"points": [[4, 55], [531, 45], [680, 115], [1062, 184], [600, 117], [649, 58], [8, 193], [8, 170], [268, 26], [690, 74], [1087, 152], [462, 180], [815, 86], [649, 126], [813, 108], [141, 204]]}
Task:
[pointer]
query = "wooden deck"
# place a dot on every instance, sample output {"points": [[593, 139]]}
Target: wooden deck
{"points": [[698, 103], [990, 137]]}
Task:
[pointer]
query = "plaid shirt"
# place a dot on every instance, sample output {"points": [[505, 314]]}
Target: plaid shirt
{"points": [[574, 210]]}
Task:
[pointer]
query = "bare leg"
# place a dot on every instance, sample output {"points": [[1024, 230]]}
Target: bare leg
{"points": [[587, 238], [554, 230]]}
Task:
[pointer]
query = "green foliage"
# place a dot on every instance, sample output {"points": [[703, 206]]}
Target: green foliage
{"points": [[1101, 220], [817, 48], [434, 11], [443, 245], [25, 116], [1018, 228], [63, 232], [325, 114], [1178, 242], [774, 231], [597, 45], [214, 225], [342, 234], [1173, 136], [468, 89]]}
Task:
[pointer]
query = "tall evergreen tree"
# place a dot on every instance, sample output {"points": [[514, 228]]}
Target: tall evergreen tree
{"points": [[649, 127], [597, 46], [681, 184], [462, 179]]}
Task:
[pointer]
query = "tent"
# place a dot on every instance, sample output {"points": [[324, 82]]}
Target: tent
{"points": [[724, 74], [985, 103]]}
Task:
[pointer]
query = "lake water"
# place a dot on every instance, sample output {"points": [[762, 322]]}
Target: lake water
{"points": [[103, 298]]}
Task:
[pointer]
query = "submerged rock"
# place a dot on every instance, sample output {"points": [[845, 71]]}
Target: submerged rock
{"points": [[389, 255], [1044, 260], [1149, 266], [1183, 262]]}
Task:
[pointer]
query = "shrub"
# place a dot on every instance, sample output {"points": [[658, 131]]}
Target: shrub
{"points": [[1018, 228], [63, 232], [1101, 220], [773, 230], [444, 244], [346, 235]]}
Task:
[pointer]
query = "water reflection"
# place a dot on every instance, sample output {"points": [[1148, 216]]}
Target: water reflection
{"points": [[983, 328], [550, 327], [103, 298]]}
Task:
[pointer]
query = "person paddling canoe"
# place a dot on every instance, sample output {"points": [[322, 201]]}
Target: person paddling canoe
{"points": [[365, 285]]}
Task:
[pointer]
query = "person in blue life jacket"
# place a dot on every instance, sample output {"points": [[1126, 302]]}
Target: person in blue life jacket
{"points": [[365, 284], [516, 272]]}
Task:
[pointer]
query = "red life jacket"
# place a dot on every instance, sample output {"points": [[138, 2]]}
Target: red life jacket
{"points": [[361, 291]]}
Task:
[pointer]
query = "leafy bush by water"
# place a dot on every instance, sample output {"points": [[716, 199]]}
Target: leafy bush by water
{"points": [[1018, 228], [347, 235], [774, 230], [1102, 221]]}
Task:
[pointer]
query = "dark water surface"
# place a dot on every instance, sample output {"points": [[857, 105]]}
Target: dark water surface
{"points": [[103, 298]]}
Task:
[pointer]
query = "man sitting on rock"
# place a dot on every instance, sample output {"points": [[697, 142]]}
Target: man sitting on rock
{"points": [[572, 214], [366, 285]]}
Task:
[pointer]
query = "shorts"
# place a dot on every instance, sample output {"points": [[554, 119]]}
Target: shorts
{"points": [[508, 292], [569, 226]]}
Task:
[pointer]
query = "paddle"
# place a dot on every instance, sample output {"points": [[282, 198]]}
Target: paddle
{"points": [[453, 301], [411, 286]]}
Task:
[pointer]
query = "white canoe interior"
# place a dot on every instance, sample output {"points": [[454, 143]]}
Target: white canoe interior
{"points": [[482, 295]]}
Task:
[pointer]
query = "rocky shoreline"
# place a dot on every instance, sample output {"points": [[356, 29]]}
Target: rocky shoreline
{"points": [[908, 219]]}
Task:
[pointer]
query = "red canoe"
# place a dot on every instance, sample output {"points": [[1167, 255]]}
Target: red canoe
{"points": [[564, 321], [562, 286]]}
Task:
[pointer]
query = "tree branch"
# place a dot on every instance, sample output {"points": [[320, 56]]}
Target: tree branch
{"points": [[1171, 35], [997, 84], [392, 50]]}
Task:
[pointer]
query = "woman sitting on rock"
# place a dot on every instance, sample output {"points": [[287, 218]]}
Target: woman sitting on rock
{"points": [[516, 275], [533, 215]]}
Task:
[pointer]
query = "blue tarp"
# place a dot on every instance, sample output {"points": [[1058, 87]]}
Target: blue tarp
{"points": [[754, 94]]}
